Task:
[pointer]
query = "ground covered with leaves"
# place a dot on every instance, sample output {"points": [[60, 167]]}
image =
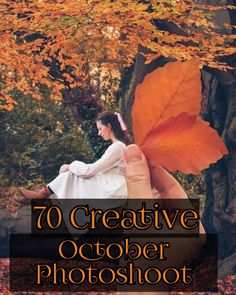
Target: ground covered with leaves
{"points": [[226, 285]]}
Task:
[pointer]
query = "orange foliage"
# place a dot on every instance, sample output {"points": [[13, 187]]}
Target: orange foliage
{"points": [[8, 102], [166, 123], [35, 34]]}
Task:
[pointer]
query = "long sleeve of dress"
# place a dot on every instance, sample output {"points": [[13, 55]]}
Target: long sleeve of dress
{"points": [[110, 158]]}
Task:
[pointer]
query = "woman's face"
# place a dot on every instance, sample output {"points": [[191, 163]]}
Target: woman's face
{"points": [[104, 130]]}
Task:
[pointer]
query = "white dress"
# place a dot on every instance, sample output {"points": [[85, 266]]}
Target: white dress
{"points": [[103, 179]]}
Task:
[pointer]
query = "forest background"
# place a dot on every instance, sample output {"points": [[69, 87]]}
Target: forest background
{"points": [[64, 61]]}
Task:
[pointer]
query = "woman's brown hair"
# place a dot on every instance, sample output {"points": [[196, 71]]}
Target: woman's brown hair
{"points": [[111, 118]]}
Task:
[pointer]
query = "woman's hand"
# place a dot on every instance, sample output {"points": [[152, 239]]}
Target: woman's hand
{"points": [[139, 178], [64, 168]]}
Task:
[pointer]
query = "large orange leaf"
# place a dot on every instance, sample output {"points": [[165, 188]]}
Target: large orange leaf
{"points": [[185, 143], [166, 123], [166, 92]]}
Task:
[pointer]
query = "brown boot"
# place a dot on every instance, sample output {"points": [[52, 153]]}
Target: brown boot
{"points": [[41, 194], [28, 195]]}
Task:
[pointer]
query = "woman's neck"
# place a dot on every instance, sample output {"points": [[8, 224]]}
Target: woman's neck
{"points": [[114, 139]]}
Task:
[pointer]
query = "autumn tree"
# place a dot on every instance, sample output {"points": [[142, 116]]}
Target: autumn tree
{"points": [[64, 44]]}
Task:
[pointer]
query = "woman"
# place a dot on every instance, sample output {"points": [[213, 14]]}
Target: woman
{"points": [[103, 179]]}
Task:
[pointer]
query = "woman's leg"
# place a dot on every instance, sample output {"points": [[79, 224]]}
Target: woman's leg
{"points": [[27, 195], [43, 193]]}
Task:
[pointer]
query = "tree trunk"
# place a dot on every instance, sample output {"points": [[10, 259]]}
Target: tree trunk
{"points": [[219, 109]]}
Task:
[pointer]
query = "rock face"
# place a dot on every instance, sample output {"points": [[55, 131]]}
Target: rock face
{"points": [[219, 90], [20, 223], [219, 109]]}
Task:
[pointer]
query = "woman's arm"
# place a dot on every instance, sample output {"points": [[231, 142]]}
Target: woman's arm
{"points": [[109, 159]]}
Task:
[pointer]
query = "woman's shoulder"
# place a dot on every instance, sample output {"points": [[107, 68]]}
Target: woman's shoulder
{"points": [[121, 143], [117, 145]]}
